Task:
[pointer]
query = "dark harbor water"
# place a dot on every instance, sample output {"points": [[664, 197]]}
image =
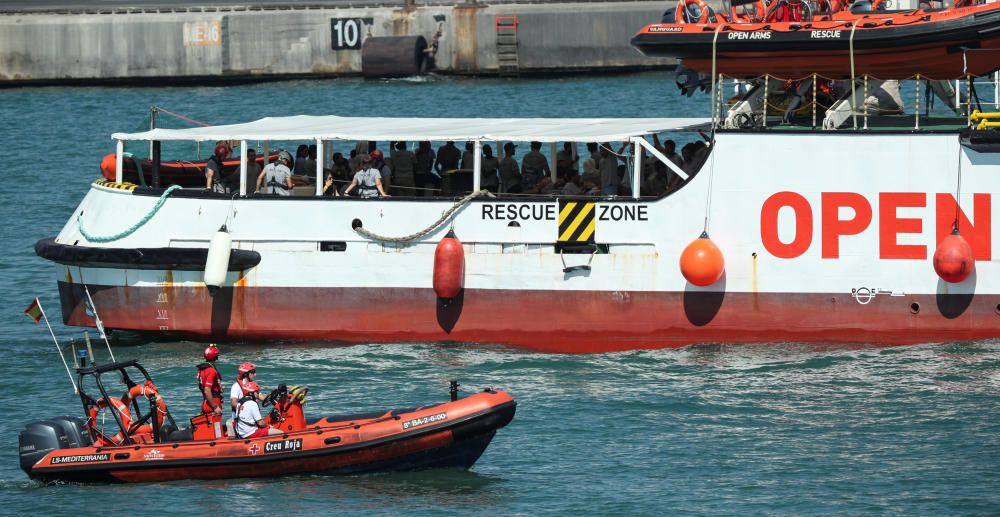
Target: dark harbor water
{"points": [[785, 429]]}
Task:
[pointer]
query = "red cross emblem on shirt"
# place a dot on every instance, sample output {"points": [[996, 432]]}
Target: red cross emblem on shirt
{"points": [[254, 448]]}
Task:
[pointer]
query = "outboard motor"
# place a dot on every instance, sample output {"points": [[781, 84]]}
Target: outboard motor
{"points": [[44, 436]]}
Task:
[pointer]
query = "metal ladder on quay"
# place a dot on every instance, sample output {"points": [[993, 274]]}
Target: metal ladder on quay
{"points": [[506, 32]]}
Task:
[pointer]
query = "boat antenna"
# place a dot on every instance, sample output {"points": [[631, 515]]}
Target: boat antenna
{"points": [[98, 324]]}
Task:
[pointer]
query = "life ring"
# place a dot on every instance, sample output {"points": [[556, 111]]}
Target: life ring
{"points": [[760, 12], [146, 389], [122, 410], [679, 15]]}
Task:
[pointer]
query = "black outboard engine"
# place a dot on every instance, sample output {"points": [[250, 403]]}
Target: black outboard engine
{"points": [[44, 436]]}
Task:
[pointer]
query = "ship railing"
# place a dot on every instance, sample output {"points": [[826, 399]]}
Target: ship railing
{"points": [[771, 100]]}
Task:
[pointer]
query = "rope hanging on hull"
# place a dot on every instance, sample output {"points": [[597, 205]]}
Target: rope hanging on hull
{"points": [[131, 229], [422, 233]]}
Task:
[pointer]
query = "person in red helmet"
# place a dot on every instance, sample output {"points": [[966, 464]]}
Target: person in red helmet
{"points": [[210, 382], [378, 163], [213, 170], [249, 422], [247, 372]]}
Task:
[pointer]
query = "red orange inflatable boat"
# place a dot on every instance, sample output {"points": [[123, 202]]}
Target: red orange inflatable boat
{"points": [[148, 446], [172, 172], [937, 44]]}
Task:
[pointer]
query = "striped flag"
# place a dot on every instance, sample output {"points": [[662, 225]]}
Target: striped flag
{"points": [[34, 311]]}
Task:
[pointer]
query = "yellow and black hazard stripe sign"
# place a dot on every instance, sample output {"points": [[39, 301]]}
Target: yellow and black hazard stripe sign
{"points": [[111, 184], [577, 221]]}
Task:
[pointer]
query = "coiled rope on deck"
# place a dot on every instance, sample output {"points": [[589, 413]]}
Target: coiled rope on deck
{"points": [[131, 229], [413, 236]]}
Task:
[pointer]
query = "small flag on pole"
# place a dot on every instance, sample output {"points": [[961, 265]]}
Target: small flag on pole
{"points": [[34, 311]]}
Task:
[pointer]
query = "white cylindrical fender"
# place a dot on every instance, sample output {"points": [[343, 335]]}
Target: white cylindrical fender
{"points": [[217, 262]]}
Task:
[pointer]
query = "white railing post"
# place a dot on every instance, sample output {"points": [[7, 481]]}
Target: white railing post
{"points": [[119, 151], [319, 166], [243, 168], [636, 166], [477, 152]]}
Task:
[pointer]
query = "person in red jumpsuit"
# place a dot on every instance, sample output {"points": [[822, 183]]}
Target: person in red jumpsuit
{"points": [[210, 382]]}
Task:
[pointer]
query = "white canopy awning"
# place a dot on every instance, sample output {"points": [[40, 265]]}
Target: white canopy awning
{"points": [[332, 127]]}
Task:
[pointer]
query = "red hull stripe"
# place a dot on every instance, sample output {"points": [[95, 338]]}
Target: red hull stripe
{"points": [[550, 321]]}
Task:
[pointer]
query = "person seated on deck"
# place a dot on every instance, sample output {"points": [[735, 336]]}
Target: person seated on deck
{"points": [[247, 372], [573, 185], [566, 161], [276, 177], [249, 422], [341, 167], [367, 180]]}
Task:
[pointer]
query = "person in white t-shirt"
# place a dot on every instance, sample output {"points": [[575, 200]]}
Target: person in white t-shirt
{"points": [[249, 422], [247, 372]]}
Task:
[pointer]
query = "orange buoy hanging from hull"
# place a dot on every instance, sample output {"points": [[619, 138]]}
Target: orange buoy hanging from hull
{"points": [[108, 168], [954, 260], [702, 263], [449, 267]]}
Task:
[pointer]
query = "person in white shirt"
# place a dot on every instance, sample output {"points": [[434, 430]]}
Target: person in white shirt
{"points": [[247, 372], [276, 178], [249, 422], [368, 180]]}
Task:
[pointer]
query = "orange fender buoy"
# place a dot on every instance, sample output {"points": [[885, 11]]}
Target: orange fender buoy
{"points": [[449, 267], [108, 168], [954, 260], [701, 262]]}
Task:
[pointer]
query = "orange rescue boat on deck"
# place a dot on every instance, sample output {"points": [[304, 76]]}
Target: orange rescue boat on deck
{"points": [[936, 44], [135, 439]]}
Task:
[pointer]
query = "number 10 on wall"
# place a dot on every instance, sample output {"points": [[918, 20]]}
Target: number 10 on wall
{"points": [[346, 33]]}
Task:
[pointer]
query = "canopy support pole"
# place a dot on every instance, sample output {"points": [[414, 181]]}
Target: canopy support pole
{"points": [[477, 159], [659, 156], [156, 164], [636, 166], [319, 166], [119, 151], [243, 168]]}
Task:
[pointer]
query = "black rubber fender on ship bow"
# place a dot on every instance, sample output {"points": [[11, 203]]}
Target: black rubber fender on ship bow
{"points": [[177, 259]]}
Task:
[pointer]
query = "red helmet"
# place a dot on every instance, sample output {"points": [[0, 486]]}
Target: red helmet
{"points": [[211, 352], [245, 368], [221, 150], [376, 154], [251, 387]]}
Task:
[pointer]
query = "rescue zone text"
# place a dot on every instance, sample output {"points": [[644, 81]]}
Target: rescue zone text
{"points": [[547, 212]]}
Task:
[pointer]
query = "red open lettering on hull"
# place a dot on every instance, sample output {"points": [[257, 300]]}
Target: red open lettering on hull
{"points": [[835, 224]]}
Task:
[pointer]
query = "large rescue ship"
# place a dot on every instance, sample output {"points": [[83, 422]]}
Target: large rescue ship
{"points": [[840, 232]]}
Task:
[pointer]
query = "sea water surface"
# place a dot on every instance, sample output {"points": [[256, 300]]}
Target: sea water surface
{"points": [[781, 429]]}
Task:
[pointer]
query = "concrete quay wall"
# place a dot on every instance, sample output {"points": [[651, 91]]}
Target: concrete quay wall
{"points": [[229, 44]]}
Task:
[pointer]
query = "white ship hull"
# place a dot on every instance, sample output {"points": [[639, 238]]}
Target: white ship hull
{"points": [[826, 237]]}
